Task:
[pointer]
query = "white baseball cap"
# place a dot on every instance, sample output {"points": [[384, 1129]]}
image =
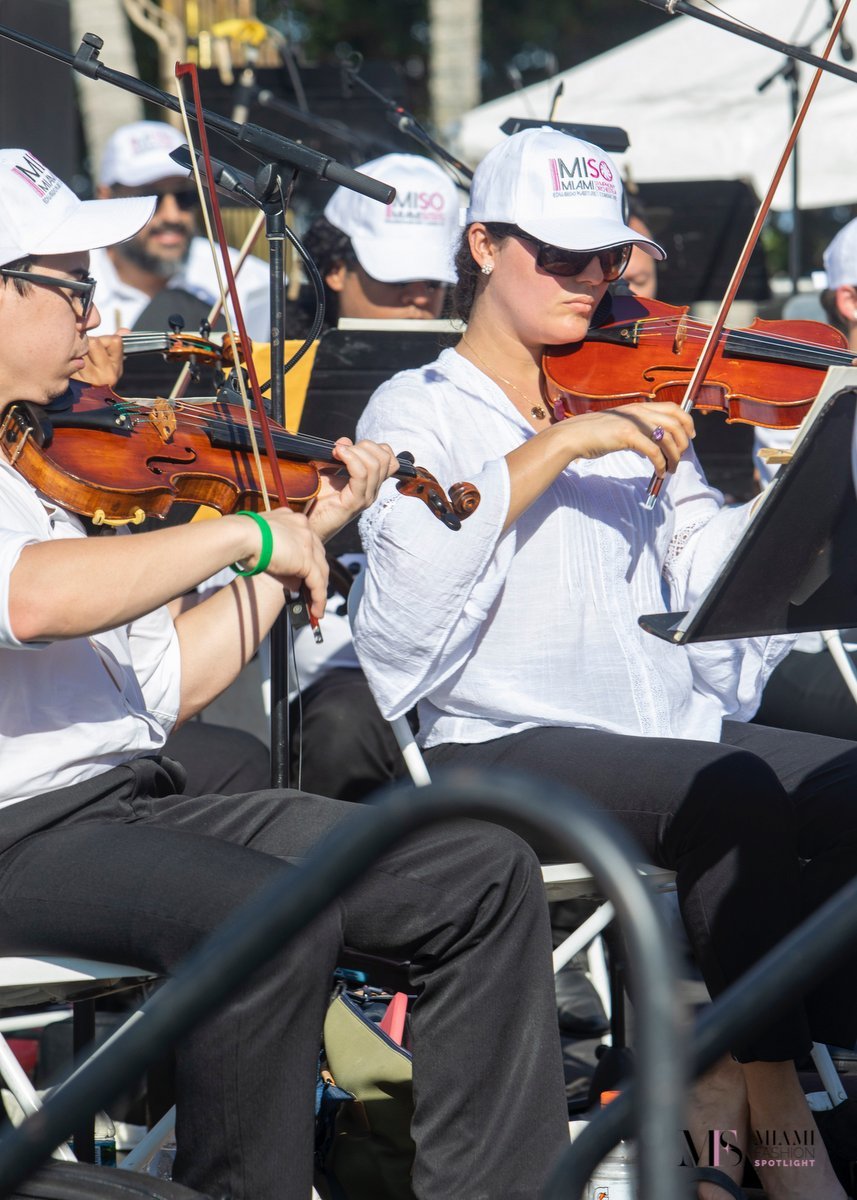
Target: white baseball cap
{"points": [[40, 215], [137, 154], [558, 188], [414, 236], [840, 257]]}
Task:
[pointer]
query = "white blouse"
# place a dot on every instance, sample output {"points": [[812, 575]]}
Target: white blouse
{"points": [[496, 632]]}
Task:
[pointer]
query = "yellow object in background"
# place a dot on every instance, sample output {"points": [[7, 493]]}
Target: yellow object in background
{"points": [[297, 382]]}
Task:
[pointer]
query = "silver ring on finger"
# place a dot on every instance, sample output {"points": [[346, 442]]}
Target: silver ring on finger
{"points": [[657, 434]]}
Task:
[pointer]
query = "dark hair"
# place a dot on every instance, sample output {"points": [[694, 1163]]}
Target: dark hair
{"points": [[329, 247], [469, 274], [834, 316], [20, 264]]}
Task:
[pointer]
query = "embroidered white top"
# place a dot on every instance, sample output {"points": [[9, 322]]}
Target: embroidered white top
{"points": [[71, 709], [497, 632]]}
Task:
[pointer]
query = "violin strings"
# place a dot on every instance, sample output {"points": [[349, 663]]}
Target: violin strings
{"points": [[788, 350], [197, 415]]}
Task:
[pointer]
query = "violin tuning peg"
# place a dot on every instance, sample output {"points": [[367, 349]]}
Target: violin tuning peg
{"points": [[176, 322], [204, 329]]}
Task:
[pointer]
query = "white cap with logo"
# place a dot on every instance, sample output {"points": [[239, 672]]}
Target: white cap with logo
{"points": [[40, 215], [413, 237], [139, 153], [840, 257], [560, 189]]}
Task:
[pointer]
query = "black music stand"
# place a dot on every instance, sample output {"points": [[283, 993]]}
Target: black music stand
{"points": [[349, 365], [795, 568]]}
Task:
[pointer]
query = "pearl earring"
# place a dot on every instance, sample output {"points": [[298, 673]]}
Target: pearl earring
{"points": [[487, 268]]}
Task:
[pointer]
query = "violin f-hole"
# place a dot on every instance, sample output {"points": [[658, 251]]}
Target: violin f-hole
{"points": [[158, 464]]}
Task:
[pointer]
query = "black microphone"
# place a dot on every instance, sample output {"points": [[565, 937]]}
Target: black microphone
{"points": [[845, 47], [227, 179]]}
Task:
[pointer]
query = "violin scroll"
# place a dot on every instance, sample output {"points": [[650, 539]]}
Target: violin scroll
{"points": [[452, 509]]}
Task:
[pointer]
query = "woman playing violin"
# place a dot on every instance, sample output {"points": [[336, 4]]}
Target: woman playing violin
{"points": [[103, 856], [523, 649]]}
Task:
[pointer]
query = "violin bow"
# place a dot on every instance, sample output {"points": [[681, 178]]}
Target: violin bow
{"points": [[188, 70], [181, 384], [710, 345], [280, 774]]}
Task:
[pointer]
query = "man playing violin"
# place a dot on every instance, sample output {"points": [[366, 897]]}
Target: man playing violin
{"points": [[101, 854]]}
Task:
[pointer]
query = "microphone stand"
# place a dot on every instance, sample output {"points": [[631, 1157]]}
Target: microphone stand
{"points": [[674, 7], [283, 159], [406, 122], [789, 71], [268, 193]]}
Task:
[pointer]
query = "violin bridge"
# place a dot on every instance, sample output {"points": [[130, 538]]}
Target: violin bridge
{"points": [[680, 334], [774, 457], [163, 416]]}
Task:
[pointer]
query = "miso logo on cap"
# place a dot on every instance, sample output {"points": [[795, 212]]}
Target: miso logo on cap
{"points": [[37, 176], [417, 208], [585, 176]]}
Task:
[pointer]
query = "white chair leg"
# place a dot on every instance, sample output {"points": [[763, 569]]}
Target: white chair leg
{"points": [[828, 1073], [19, 1085], [600, 978], [583, 935], [143, 1153], [833, 641]]}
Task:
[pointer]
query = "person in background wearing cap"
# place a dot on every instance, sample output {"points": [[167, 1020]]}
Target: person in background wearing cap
{"points": [[165, 268], [384, 262], [522, 649], [807, 690], [102, 856]]}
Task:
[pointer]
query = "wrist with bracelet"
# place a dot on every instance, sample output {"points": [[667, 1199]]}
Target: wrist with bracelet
{"points": [[267, 551]]}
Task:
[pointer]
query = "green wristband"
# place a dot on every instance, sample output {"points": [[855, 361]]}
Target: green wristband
{"points": [[267, 551]]}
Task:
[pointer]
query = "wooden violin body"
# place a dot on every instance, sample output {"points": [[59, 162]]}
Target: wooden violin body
{"points": [[119, 461], [768, 374]]}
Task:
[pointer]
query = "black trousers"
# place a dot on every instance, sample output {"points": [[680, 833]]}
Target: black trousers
{"points": [[807, 692], [124, 869], [760, 828], [341, 746]]}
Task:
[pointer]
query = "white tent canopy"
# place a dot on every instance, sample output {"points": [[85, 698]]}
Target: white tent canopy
{"points": [[686, 94]]}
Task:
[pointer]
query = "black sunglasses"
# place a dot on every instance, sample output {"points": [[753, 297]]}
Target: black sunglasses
{"points": [[557, 261], [186, 198], [82, 291]]}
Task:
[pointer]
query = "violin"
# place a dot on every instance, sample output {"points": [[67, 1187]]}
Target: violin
{"points": [[216, 349], [119, 461], [767, 374]]}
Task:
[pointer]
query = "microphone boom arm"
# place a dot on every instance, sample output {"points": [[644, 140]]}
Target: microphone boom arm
{"points": [[675, 7], [261, 142]]}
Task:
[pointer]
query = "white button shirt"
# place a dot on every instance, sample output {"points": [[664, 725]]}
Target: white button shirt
{"points": [[74, 708], [498, 632], [120, 304]]}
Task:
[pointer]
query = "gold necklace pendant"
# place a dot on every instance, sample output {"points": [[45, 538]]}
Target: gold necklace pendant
{"points": [[538, 412]]}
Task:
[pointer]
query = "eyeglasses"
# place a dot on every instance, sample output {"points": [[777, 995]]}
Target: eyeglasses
{"points": [[82, 291], [186, 198], [557, 261]]}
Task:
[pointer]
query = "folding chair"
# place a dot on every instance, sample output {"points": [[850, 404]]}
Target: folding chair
{"points": [[49, 979]]}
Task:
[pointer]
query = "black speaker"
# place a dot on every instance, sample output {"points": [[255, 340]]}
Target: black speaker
{"points": [[38, 104]]}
